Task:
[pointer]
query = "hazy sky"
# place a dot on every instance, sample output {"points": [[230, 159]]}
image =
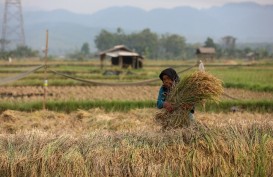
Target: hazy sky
{"points": [[91, 6]]}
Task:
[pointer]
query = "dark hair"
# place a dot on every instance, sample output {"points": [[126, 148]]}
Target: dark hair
{"points": [[171, 73]]}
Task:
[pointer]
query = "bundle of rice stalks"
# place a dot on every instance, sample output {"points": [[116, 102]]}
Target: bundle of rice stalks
{"points": [[194, 89], [8, 116]]}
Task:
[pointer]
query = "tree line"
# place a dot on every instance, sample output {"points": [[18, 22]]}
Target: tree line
{"points": [[19, 52], [170, 46], [146, 43], [150, 45]]}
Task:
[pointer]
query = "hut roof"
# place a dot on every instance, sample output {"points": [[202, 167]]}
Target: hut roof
{"points": [[120, 50], [122, 53], [250, 54], [116, 48], [205, 50]]}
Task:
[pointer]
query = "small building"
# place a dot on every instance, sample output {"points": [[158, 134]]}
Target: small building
{"points": [[123, 57], [205, 53], [251, 56]]}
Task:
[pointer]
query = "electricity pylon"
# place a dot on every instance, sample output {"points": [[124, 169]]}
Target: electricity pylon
{"points": [[13, 34]]}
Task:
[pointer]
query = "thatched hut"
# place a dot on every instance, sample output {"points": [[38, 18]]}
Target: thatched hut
{"points": [[251, 56], [205, 53], [122, 56]]}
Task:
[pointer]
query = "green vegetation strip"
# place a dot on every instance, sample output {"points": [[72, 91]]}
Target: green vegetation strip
{"points": [[69, 106], [241, 106], [253, 87], [32, 81]]}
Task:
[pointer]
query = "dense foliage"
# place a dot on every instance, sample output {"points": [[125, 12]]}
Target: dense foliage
{"points": [[171, 46], [19, 52], [146, 42]]}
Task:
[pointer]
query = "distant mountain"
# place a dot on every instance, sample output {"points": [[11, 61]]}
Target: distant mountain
{"points": [[248, 22]]}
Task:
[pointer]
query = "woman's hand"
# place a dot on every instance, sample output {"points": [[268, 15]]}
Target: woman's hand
{"points": [[168, 106]]}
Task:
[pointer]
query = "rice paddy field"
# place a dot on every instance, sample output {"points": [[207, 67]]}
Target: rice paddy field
{"points": [[90, 129]]}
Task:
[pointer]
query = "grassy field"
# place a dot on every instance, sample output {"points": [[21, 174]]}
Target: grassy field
{"points": [[92, 130]]}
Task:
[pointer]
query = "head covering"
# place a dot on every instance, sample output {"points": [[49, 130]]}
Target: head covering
{"points": [[171, 73]]}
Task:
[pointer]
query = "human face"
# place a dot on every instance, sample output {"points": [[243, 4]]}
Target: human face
{"points": [[167, 81]]}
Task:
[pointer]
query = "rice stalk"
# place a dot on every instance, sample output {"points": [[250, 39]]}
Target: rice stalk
{"points": [[197, 88]]}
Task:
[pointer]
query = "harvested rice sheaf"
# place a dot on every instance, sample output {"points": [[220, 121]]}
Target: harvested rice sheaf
{"points": [[192, 90]]}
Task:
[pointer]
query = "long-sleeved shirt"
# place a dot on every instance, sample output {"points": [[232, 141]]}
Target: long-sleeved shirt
{"points": [[162, 94]]}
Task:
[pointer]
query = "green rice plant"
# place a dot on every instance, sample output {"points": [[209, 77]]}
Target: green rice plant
{"points": [[70, 106], [254, 87], [240, 106], [258, 77], [124, 106]]}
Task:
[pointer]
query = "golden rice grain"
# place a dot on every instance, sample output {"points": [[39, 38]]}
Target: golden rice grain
{"points": [[192, 90]]}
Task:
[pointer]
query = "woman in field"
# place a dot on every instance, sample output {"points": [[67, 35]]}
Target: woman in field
{"points": [[169, 79]]}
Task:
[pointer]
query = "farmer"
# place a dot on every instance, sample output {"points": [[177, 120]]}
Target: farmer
{"points": [[170, 78]]}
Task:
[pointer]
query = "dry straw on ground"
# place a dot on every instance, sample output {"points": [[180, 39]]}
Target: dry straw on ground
{"points": [[194, 89]]}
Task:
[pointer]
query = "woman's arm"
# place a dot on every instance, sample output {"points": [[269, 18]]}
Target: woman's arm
{"points": [[161, 101], [161, 98]]}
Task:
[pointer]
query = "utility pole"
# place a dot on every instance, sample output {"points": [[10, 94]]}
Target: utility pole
{"points": [[13, 34], [45, 72]]}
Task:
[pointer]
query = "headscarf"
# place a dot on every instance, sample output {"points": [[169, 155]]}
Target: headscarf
{"points": [[171, 73]]}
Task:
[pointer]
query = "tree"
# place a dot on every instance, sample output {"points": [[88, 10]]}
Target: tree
{"points": [[4, 55], [172, 46], [263, 53], [104, 40], [144, 42], [3, 42], [210, 43], [24, 51], [85, 50]]}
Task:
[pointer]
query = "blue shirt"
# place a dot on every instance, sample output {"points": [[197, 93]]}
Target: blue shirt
{"points": [[161, 97]]}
